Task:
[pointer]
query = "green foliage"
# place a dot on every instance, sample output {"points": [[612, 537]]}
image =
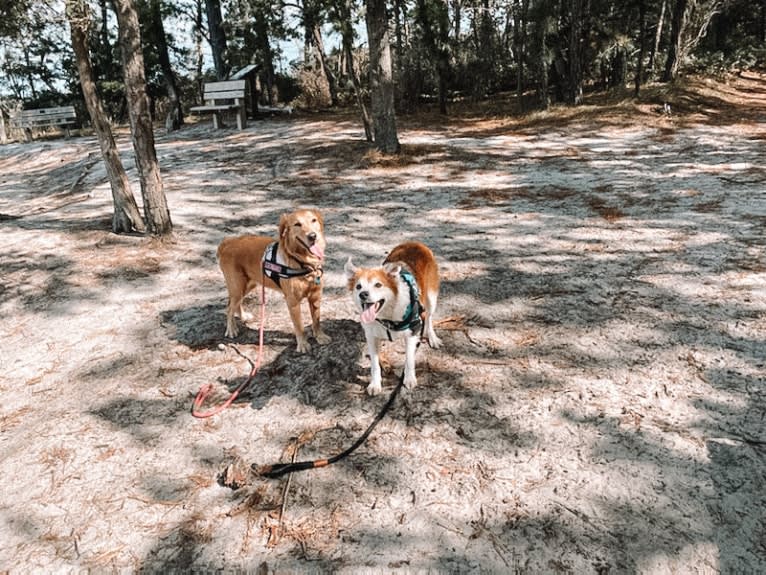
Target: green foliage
{"points": [[470, 48]]}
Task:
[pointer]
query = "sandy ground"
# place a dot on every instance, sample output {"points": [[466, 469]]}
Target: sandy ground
{"points": [[598, 405]]}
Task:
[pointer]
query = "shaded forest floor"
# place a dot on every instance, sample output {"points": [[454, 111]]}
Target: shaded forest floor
{"points": [[598, 406]]}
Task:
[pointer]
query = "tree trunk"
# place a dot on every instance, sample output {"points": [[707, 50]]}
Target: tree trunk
{"points": [[347, 37], [126, 217], [519, 41], [541, 15], [399, 7], [657, 37], [358, 93], [199, 56], [457, 16], [158, 39], [678, 23], [329, 77], [155, 205], [442, 53], [762, 27], [381, 79], [575, 53], [642, 46], [217, 38], [434, 22], [485, 41], [102, 55], [267, 54]]}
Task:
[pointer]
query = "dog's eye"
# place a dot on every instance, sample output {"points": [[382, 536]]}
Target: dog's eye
{"points": [[314, 221], [378, 285], [298, 225], [358, 286]]}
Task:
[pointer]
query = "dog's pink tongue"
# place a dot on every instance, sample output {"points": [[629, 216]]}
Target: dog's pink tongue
{"points": [[317, 250], [368, 315]]}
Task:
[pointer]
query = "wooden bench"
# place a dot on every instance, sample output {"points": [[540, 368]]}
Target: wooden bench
{"points": [[224, 96], [61, 117]]}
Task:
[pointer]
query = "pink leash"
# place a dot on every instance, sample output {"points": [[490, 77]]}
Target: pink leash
{"points": [[207, 388]]}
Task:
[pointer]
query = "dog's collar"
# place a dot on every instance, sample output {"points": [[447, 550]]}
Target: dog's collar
{"points": [[275, 271], [413, 319]]}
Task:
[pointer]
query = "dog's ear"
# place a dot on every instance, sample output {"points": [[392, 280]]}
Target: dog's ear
{"points": [[282, 225], [350, 268], [392, 269]]}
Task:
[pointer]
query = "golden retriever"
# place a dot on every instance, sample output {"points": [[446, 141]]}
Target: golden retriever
{"points": [[291, 264]]}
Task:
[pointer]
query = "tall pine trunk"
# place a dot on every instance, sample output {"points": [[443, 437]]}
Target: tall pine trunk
{"points": [[267, 53], [347, 37], [217, 38], [642, 46], [762, 22], [678, 23], [156, 28], [657, 37], [575, 53], [381, 79], [155, 205], [324, 67], [126, 217], [519, 44]]}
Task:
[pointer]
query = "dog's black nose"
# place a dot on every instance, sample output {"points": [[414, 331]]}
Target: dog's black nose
{"points": [[363, 295], [312, 237]]}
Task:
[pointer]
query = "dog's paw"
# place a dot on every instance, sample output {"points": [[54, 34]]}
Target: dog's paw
{"points": [[410, 380], [246, 316], [322, 338], [434, 341], [303, 346], [374, 388]]}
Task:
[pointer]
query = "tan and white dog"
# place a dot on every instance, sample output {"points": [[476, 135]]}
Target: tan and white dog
{"points": [[291, 264], [397, 299]]}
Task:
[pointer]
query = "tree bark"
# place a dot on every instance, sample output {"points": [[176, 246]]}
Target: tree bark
{"points": [[519, 43], [199, 56], [678, 23], [347, 38], [126, 217], [399, 7], [642, 46], [329, 77], [174, 118], [217, 38], [381, 79], [155, 205], [575, 53], [267, 53], [434, 21], [762, 23], [543, 59], [657, 37], [103, 54]]}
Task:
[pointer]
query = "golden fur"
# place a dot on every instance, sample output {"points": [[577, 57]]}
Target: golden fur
{"points": [[301, 244]]}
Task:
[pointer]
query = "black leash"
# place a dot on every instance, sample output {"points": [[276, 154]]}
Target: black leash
{"points": [[279, 469]]}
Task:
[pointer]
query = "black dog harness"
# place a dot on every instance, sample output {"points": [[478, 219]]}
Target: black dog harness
{"points": [[276, 271], [413, 315]]}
